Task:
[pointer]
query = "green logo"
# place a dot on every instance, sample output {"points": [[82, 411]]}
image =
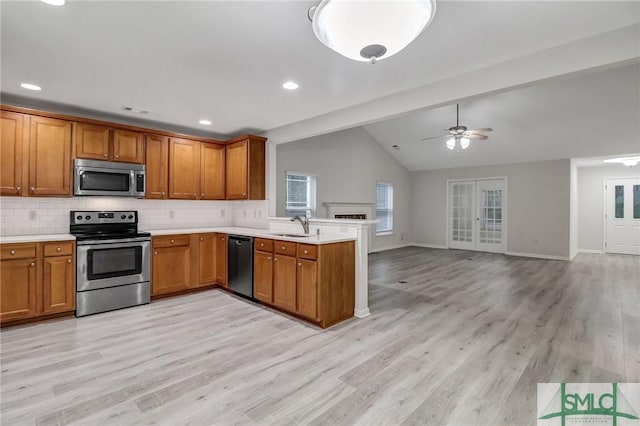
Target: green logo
{"points": [[611, 403]]}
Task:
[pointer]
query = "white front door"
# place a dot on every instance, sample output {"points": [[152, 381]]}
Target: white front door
{"points": [[477, 215], [622, 216]]}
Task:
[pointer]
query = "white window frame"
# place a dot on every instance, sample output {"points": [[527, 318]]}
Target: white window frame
{"points": [[310, 207], [389, 209]]}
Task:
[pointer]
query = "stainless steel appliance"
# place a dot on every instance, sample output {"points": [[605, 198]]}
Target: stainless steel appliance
{"points": [[113, 261], [240, 265], [93, 177]]}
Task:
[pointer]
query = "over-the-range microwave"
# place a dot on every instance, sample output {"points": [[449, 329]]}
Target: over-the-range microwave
{"points": [[92, 177]]}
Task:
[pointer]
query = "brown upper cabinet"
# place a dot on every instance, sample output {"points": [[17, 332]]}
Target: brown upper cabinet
{"points": [[246, 168], [36, 156], [104, 143], [157, 166], [196, 170]]}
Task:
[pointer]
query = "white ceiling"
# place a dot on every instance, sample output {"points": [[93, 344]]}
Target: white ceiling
{"points": [[596, 114], [226, 61]]}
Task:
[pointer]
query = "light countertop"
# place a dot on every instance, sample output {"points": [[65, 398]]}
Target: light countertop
{"points": [[257, 232], [36, 238]]}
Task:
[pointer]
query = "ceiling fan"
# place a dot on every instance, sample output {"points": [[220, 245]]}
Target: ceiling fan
{"points": [[459, 136]]}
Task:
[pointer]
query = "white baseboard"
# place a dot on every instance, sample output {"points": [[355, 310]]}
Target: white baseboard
{"points": [[536, 256], [590, 251], [377, 249], [361, 313], [433, 246]]}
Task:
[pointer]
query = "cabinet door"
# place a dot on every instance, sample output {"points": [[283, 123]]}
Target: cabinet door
{"points": [[212, 159], [128, 146], [284, 282], [263, 276], [58, 289], [18, 289], [157, 166], [237, 170], [171, 269], [49, 157], [184, 169], [307, 286], [206, 259], [221, 259], [11, 153], [92, 141]]}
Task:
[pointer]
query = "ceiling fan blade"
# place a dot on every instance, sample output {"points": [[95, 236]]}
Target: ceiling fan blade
{"points": [[476, 136], [483, 129], [435, 137]]}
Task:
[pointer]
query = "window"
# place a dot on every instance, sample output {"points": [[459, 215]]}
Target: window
{"points": [[384, 208], [301, 194]]}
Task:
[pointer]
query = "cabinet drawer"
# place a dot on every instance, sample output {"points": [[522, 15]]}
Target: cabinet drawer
{"points": [[170, 241], [263, 244], [62, 248], [284, 247], [308, 251], [17, 251]]}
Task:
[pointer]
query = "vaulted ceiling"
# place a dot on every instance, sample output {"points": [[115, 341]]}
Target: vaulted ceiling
{"points": [[226, 60]]}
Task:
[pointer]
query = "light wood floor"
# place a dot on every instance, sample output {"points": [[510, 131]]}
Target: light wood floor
{"points": [[463, 342]]}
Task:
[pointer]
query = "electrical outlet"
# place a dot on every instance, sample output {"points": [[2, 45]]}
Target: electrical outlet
{"points": [[33, 215], [172, 214]]}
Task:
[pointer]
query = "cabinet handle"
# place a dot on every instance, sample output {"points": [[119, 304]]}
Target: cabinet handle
{"points": [[155, 252], [261, 244], [18, 189], [172, 241], [283, 248], [222, 238], [58, 249], [32, 189], [12, 252], [163, 193], [68, 260], [201, 239], [194, 195], [268, 257], [117, 156], [32, 264], [244, 194], [306, 252], [202, 195], [299, 265], [104, 155]]}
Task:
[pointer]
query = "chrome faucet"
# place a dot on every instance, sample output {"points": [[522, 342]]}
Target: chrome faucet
{"points": [[303, 221]]}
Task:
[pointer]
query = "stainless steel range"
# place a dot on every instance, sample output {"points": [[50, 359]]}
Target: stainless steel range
{"points": [[113, 261]]}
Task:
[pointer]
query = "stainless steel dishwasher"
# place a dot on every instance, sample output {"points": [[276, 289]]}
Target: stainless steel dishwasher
{"points": [[240, 265]]}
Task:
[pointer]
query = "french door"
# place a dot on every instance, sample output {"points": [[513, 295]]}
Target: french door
{"points": [[623, 216], [477, 215]]}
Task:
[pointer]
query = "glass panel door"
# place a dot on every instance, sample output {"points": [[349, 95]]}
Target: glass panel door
{"points": [[462, 215], [622, 216], [489, 219]]}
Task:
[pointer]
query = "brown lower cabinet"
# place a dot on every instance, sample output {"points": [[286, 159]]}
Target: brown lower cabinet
{"points": [[36, 280], [316, 282], [187, 261]]}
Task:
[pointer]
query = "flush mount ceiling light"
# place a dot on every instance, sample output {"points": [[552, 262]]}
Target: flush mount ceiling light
{"points": [[30, 86], [370, 30], [54, 2], [205, 122], [627, 161], [290, 85]]}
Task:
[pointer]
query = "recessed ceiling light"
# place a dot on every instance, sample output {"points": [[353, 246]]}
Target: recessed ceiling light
{"points": [[54, 2], [30, 86], [205, 122], [627, 161], [290, 85]]}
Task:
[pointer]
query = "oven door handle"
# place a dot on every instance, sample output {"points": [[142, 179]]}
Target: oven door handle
{"points": [[116, 241]]}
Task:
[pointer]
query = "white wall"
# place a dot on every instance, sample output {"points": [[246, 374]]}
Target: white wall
{"points": [[52, 214], [538, 205], [347, 165], [591, 202], [573, 226]]}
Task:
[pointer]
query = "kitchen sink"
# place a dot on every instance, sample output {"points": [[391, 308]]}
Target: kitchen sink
{"points": [[291, 235]]}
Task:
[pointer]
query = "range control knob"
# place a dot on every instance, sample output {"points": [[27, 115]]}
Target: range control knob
{"points": [[87, 217], [79, 217], [130, 216], [123, 216]]}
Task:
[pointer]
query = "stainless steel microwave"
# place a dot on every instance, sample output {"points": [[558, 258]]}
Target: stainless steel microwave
{"points": [[109, 178]]}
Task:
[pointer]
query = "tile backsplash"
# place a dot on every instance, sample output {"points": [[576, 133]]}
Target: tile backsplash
{"points": [[32, 216]]}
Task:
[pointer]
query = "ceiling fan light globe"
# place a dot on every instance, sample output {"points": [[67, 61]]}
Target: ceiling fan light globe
{"points": [[451, 143], [349, 26], [464, 143]]}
